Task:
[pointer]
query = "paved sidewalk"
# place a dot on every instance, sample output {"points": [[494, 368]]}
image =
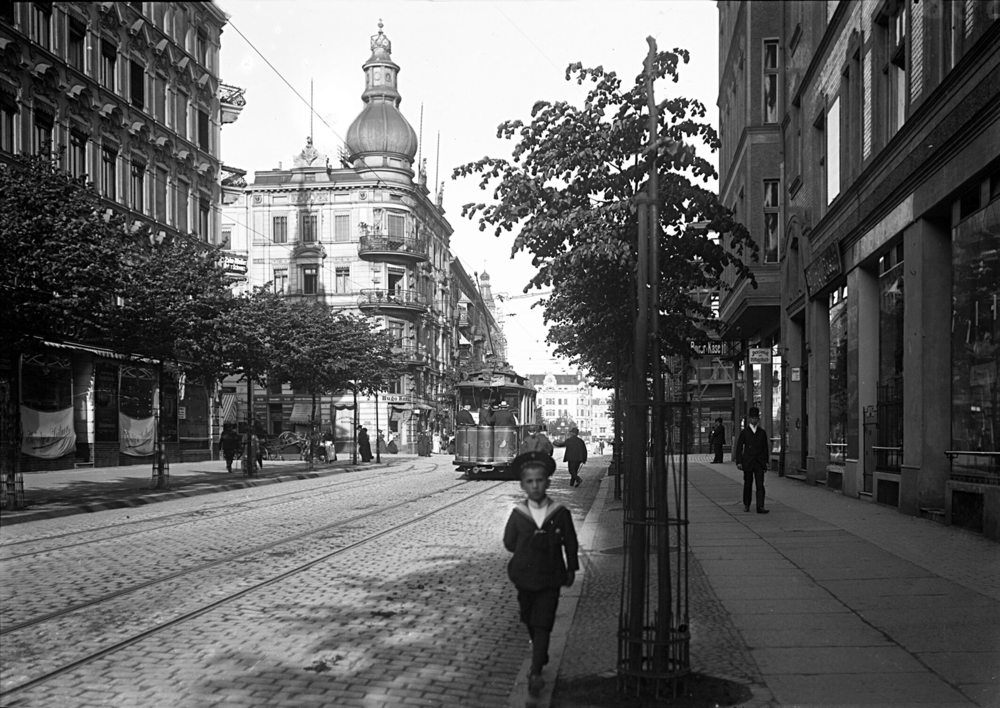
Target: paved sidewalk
{"points": [[65, 492], [826, 601]]}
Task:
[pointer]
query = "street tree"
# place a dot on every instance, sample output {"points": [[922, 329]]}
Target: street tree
{"points": [[60, 271], [567, 195]]}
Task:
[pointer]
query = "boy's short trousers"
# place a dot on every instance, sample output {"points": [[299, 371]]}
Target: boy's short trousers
{"points": [[538, 607]]}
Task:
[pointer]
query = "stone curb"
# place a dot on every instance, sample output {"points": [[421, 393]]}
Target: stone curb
{"points": [[565, 615], [130, 502]]}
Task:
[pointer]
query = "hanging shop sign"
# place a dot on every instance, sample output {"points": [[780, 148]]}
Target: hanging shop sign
{"points": [[709, 348], [796, 373], [824, 269], [760, 355]]}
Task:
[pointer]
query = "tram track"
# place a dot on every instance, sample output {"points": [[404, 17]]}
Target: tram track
{"points": [[16, 627], [202, 610], [187, 517]]}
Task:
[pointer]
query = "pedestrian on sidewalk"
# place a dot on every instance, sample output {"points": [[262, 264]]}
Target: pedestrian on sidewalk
{"points": [[541, 536], [718, 440], [575, 456], [229, 441], [536, 441], [753, 455]]}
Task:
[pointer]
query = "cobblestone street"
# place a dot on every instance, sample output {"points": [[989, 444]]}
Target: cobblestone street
{"points": [[373, 588]]}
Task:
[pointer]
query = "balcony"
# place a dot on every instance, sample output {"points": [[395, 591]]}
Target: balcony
{"points": [[392, 302], [411, 354], [392, 249], [233, 184], [232, 102]]}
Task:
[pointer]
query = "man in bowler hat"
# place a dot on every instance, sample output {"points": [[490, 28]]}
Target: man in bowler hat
{"points": [[753, 455]]}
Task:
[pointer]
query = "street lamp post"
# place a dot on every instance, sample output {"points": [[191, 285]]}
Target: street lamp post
{"points": [[378, 433]]}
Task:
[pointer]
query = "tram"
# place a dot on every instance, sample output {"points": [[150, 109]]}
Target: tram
{"points": [[486, 451]]}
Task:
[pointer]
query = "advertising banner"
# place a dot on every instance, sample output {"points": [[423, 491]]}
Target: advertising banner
{"points": [[137, 435], [47, 434]]}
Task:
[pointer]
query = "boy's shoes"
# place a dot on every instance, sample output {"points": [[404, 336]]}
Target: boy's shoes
{"points": [[535, 685], [763, 511], [746, 507]]}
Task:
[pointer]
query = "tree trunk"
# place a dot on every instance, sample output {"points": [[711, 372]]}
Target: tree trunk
{"points": [[10, 425]]}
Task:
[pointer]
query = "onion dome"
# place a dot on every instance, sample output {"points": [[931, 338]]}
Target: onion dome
{"points": [[380, 129]]}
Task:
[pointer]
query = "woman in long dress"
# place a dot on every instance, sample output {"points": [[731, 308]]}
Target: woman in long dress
{"points": [[364, 446]]}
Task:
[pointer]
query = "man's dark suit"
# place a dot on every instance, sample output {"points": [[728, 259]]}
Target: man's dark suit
{"points": [[464, 417], [753, 452]]}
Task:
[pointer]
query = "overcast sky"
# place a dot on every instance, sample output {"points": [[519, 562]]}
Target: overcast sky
{"points": [[471, 65]]}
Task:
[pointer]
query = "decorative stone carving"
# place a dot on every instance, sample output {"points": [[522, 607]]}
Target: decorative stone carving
{"points": [[309, 155]]}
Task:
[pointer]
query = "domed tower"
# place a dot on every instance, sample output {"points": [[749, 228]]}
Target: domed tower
{"points": [[380, 138]]}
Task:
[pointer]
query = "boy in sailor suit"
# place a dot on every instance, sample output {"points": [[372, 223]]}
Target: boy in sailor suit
{"points": [[541, 536]]}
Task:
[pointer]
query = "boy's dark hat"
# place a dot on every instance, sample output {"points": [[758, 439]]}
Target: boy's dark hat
{"points": [[754, 412], [574, 429], [536, 457]]}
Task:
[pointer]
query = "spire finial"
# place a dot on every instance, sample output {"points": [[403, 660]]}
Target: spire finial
{"points": [[380, 41]]}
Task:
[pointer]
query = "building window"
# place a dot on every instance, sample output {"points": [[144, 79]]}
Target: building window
{"points": [[227, 237], [77, 154], [396, 224], [310, 280], [160, 98], [43, 123], [772, 227], [181, 114], [279, 229], [76, 45], [395, 385], [8, 109], [202, 49], [342, 279], [182, 206], [160, 190], [309, 231], [40, 23], [204, 218], [7, 12], [342, 227], [137, 186], [770, 77], [109, 60], [137, 84], [281, 280], [109, 172], [203, 130], [833, 151]]}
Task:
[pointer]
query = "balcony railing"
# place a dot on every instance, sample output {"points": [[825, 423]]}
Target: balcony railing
{"points": [[392, 248], [392, 300], [233, 183], [232, 101], [411, 353]]}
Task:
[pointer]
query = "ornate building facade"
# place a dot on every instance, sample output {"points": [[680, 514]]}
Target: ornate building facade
{"points": [[131, 92], [861, 144], [364, 233]]}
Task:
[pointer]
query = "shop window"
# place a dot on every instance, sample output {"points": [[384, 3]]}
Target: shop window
{"points": [[838, 376], [769, 90], [76, 42], [975, 340], [279, 229], [889, 396], [772, 227]]}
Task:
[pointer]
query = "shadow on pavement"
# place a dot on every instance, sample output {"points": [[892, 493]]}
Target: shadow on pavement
{"points": [[697, 691]]}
